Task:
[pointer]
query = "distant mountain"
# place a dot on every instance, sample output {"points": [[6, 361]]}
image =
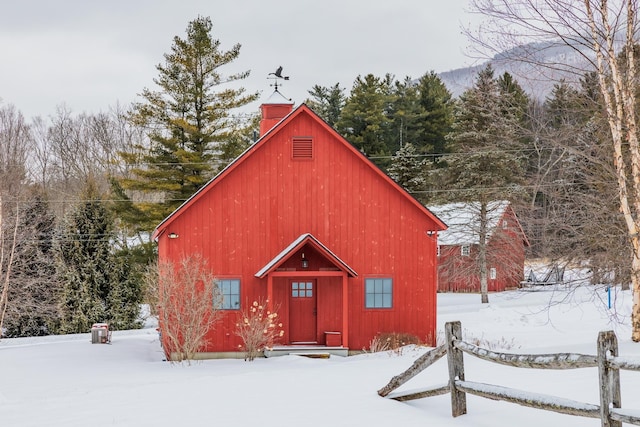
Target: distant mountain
{"points": [[560, 61]]}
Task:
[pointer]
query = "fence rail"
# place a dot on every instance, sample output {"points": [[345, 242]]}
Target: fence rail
{"points": [[607, 361], [532, 400], [533, 361], [421, 363]]}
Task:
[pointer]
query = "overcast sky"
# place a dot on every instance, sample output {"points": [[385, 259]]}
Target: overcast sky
{"points": [[90, 55]]}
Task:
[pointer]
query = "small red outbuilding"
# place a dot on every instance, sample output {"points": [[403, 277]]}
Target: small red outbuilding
{"points": [[302, 218], [459, 247]]}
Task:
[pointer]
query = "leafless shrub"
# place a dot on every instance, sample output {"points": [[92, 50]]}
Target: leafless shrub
{"points": [[393, 341], [377, 345], [258, 328], [150, 292], [188, 306]]}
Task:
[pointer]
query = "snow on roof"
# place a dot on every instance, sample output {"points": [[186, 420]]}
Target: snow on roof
{"points": [[281, 255], [277, 98], [463, 220], [297, 243]]}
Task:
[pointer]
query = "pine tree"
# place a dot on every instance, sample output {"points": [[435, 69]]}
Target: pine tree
{"points": [[514, 99], [33, 305], [96, 286], [407, 116], [83, 256], [486, 164], [327, 102], [487, 161], [125, 295], [188, 117], [436, 103], [409, 170], [364, 122], [245, 132]]}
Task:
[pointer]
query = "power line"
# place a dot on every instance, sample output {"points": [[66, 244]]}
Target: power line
{"points": [[499, 188]]}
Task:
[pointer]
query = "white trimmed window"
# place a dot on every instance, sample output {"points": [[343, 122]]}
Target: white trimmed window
{"points": [[465, 250], [492, 273]]}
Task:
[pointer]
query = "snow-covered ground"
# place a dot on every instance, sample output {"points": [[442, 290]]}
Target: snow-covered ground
{"points": [[66, 381]]}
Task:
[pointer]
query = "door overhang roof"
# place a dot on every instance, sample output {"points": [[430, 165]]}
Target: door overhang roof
{"points": [[298, 243]]}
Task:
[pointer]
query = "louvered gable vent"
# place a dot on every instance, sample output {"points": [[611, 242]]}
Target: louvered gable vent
{"points": [[302, 147]]}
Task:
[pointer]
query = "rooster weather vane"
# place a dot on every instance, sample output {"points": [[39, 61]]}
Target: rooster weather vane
{"points": [[277, 76]]}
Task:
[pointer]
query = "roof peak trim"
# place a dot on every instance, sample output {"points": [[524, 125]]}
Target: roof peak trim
{"points": [[297, 244]]}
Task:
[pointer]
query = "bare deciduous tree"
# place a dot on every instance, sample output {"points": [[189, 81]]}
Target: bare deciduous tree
{"points": [[604, 34], [571, 211], [14, 142], [188, 306], [72, 148], [14, 138], [5, 266]]}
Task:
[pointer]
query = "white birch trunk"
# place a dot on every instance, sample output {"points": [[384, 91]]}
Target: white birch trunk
{"points": [[482, 253], [4, 277], [3, 294], [618, 95]]}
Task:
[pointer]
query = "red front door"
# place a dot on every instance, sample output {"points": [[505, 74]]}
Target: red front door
{"points": [[302, 311]]}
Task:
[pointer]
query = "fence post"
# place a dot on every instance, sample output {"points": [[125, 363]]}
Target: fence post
{"points": [[609, 378], [453, 331]]}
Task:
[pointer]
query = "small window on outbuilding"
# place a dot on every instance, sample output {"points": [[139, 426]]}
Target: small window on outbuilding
{"points": [[302, 148], [493, 273], [465, 250]]}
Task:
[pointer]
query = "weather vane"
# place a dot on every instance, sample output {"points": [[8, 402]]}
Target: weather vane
{"points": [[277, 76]]}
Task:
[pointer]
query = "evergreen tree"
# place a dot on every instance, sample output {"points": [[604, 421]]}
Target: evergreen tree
{"points": [[436, 103], [422, 113], [408, 168], [486, 164], [487, 161], [327, 102], [513, 97], [244, 134], [126, 293], [407, 116], [364, 121], [96, 285], [188, 118], [33, 305]]}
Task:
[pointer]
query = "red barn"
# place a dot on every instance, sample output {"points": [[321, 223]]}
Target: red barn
{"points": [[458, 248], [302, 218]]}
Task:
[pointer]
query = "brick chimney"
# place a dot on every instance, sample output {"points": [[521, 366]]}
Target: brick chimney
{"points": [[273, 110]]}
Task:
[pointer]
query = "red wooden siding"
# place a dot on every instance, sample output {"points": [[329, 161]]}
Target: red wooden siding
{"points": [[251, 212]]}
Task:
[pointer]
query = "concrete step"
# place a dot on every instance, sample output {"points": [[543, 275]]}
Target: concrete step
{"points": [[308, 351]]}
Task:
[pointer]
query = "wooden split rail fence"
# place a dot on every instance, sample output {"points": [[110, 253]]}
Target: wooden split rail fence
{"points": [[607, 361]]}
